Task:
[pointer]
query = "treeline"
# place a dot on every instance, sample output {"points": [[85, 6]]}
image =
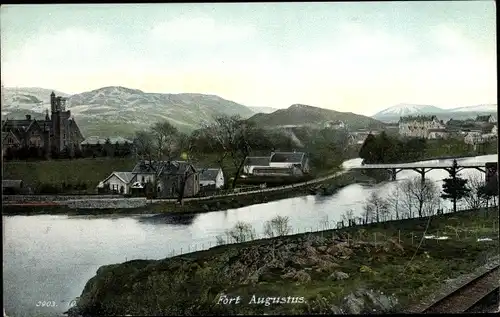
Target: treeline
{"points": [[384, 148], [95, 150]]}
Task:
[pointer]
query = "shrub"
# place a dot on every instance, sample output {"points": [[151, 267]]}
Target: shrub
{"points": [[278, 226]]}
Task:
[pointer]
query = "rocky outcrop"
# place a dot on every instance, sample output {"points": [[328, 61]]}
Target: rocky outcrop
{"points": [[190, 284]]}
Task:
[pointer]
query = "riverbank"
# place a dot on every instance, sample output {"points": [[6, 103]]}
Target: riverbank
{"points": [[332, 271], [326, 187]]}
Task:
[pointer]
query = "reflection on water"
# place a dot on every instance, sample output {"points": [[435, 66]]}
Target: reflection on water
{"points": [[52, 257], [181, 220]]}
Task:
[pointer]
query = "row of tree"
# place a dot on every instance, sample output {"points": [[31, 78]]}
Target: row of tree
{"points": [[97, 150]]}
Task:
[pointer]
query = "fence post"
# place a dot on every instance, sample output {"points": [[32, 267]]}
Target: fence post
{"points": [[375, 237], [412, 238], [181, 250]]}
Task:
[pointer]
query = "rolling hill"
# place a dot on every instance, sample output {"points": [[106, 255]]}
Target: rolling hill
{"points": [[304, 115], [111, 111]]}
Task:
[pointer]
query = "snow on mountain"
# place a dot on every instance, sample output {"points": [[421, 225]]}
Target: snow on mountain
{"points": [[125, 108], [408, 109], [477, 108]]}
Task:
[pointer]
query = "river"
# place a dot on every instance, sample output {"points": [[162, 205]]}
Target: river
{"points": [[50, 258]]}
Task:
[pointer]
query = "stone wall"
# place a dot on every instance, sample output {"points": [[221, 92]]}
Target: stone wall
{"points": [[118, 203]]}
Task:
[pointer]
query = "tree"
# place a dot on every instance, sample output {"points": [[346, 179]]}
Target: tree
{"points": [[241, 232], [422, 195], [376, 207], [393, 200], [476, 196], [278, 226], [368, 150], [231, 135], [454, 187], [165, 139]]}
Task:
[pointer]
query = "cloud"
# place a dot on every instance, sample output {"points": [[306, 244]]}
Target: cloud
{"points": [[201, 30]]}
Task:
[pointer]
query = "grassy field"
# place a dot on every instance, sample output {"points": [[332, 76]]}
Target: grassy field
{"points": [[89, 171], [389, 257]]}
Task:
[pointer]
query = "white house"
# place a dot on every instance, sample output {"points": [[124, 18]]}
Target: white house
{"points": [[419, 126], [337, 125], [494, 130], [119, 182], [211, 177]]}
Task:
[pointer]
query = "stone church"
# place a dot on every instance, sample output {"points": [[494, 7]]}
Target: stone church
{"points": [[58, 132]]}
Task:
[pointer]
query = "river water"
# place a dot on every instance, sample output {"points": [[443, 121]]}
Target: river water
{"points": [[50, 258]]}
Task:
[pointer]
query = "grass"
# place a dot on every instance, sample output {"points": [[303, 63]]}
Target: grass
{"points": [[395, 264], [90, 171]]}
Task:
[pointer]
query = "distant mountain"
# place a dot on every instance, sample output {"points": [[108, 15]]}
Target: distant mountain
{"points": [[304, 115], [393, 114], [263, 109], [110, 111], [478, 108]]}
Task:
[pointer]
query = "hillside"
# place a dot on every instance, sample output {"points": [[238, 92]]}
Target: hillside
{"points": [[263, 109], [304, 115], [110, 111], [392, 114]]}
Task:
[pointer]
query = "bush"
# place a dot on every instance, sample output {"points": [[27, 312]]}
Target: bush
{"points": [[278, 226], [241, 232]]}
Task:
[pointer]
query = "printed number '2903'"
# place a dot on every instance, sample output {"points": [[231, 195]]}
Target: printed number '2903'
{"points": [[45, 304]]}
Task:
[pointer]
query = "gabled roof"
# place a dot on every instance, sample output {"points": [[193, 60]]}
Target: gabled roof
{"points": [[145, 166], [6, 134], [257, 161], [209, 174], [176, 168], [287, 157], [125, 177]]}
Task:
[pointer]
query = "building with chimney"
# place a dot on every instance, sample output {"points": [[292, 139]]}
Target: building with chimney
{"points": [[58, 132]]}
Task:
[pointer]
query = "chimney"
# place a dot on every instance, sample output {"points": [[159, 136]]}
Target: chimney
{"points": [[28, 117]]}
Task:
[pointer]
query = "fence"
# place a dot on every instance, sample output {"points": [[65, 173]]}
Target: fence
{"points": [[377, 238]]}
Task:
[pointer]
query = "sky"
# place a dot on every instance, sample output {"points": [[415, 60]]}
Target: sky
{"points": [[357, 57]]}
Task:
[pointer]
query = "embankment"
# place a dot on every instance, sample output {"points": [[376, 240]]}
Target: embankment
{"points": [[141, 205], [375, 268]]}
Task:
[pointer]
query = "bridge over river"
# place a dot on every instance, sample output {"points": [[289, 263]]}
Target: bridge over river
{"points": [[424, 167]]}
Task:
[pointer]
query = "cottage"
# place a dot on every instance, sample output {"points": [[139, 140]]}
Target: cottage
{"points": [[146, 171], [254, 161], [177, 176], [211, 177], [119, 182], [418, 126]]}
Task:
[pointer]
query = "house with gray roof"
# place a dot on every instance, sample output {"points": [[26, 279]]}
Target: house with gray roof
{"points": [[119, 182], [211, 177]]}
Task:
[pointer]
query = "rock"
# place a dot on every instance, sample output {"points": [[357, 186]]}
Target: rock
{"points": [[336, 310], [302, 277], [353, 305], [378, 301], [205, 207], [322, 248], [338, 276]]}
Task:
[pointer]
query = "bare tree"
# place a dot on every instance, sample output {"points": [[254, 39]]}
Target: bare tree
{"points": [[278, 226], [231, 134], [475, 199], [241, 232], [423, 195], [165, 139], [376, 206], [393, 200]]}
